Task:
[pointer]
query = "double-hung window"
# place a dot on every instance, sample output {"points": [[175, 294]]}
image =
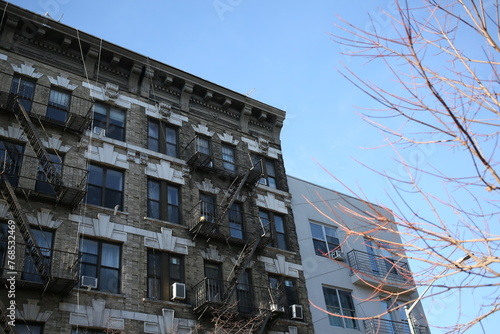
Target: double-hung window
{"points": [[207, 208], [58, 106], [228, 159], [324, 238], [236, 220], [164, 269], [163, 138], [101, 260], [42, 185], [268, 169], [274, 225], [105, 187], [340, 302], [283, 292], [24, 89], [163, 201], [44, 240], [11, 157], [203, 145], [110, 120], [29, 328]]}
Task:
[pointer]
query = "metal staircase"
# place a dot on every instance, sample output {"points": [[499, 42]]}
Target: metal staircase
{"points": [[53, 176], [4, 322], [23, 225]]}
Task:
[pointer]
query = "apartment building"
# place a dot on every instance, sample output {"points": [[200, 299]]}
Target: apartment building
{"points": [[135, 197], [355, 284]]}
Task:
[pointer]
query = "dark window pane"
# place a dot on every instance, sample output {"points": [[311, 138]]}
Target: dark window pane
{"points": [[109, 280]]}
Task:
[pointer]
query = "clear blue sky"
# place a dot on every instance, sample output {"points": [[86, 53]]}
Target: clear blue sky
{"points": [[281, 53]]}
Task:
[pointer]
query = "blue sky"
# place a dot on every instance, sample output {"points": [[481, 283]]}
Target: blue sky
{"points": [[281, 53]]}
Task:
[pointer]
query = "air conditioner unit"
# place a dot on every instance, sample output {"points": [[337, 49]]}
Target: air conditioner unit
{"points": [[89, 282], [101, 132], [178, 291], [338, 255], [296, 312], [276, 308]]}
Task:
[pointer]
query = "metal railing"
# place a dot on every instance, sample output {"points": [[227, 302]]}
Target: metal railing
{"points": [[379, 268], [248, 299], [382, 326], [235, 226], [62, 266]]}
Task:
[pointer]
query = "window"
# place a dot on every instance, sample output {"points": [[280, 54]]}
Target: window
{"points": [[42, 185], [163, 201], [340, 302], [58, 106], [228, 161], [102, 261], [213, 282], [283, 292], [236, 221], [207, 208], [4, 234], [274, 225], [11, 157], [24, 88], [110, 119], [105, 187], [244, 293], [44, 240], [203, 145], [267, 168], [29, 328], [324, 238], [164, 269], [162, 138]]}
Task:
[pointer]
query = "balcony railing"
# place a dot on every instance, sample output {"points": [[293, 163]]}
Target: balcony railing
{"points": [[209, 159], [235, 226], [378, 270], [246, 299], [62, 267], [24, 173], [382, 326]]}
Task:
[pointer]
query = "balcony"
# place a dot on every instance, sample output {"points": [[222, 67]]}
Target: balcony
{"points": [[382, 326], [378, 271], [48, 114], [246, 299], [26, 177], [201, 154], [63, 269], [206, 220]]}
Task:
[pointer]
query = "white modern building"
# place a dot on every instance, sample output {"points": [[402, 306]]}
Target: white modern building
{"points": [[354, 283]]}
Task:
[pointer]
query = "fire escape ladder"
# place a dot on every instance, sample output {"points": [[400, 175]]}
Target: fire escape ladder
{"points": [[234, 192], [23, 225], [265, 321], [4, 322], [241, 265], [51, 172]]}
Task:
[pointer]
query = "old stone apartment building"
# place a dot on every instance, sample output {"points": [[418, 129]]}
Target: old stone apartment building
{"points": [[141, 198]]}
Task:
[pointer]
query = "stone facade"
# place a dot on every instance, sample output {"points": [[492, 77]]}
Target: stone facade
{"points": [[52, 58]]}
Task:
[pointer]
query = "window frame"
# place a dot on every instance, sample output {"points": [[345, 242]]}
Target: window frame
{"points": [[279, 237], [235, 219], [165, 275], [42, 185], [228, 160], [208, 209], [25, 99], [30, 272], [289, 294], [27, 324], [99, 266], [163, 145], [267, 167], [53, 107], [163, 201], [104, 188], [341, 309], [106, 121], [14, 173], [326, 243], [200, 148]]}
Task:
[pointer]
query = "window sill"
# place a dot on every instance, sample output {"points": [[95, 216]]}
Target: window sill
{"points": [[101, 293], [166, 302], [164, 222], [274, 190], [106, 210]]}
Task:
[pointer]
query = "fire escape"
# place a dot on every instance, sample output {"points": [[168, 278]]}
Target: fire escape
{"points": [[59, 273], [210, 223]]}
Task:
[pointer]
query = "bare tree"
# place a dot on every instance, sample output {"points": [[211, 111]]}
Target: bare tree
{"points": [[439, 93]]}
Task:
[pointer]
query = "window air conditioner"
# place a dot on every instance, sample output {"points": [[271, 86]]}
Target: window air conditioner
{"points": [[101, 132], [178, 291], [338, 255], [277, 308], [89, 282], [296, 312]]}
